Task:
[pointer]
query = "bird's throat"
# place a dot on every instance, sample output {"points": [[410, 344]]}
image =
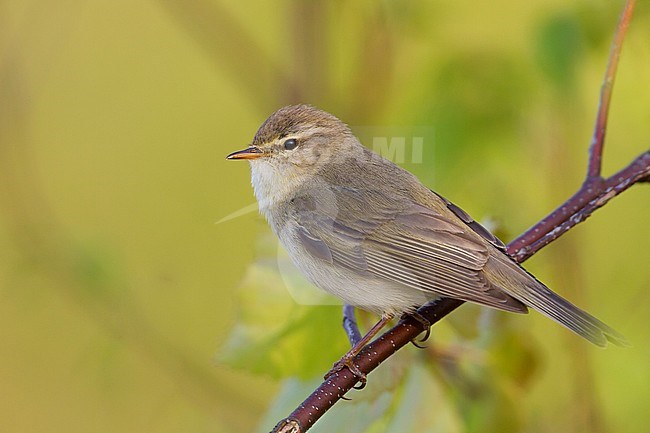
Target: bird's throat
{"points": [[272, 185]]}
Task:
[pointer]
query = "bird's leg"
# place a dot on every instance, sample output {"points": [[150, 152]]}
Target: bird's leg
{"points": [[350, 325], [348, 358], [426, 324]]}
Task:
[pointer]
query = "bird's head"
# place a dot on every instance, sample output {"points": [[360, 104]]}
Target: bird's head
{"points": [[292, 146]]}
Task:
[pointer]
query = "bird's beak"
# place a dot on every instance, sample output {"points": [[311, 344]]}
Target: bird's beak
{"points": [[250, 152]]}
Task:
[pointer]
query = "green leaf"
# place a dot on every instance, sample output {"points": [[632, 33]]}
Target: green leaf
{"points": [[276, 336]]}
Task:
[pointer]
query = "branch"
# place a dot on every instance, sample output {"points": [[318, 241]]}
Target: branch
{"points": [[593, 194], [578, 208], [598, 139]]}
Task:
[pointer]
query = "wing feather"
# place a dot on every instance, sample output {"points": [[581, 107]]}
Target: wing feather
{"points": [[413, 246]]}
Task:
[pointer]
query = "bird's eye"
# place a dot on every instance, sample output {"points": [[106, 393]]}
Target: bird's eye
{"points": [[290, 144]]}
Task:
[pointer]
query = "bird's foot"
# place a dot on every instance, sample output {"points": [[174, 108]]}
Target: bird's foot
{"points": [[348, 362], [426, 324]]}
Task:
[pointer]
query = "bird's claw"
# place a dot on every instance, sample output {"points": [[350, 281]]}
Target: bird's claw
{"points": [[418, 343], [347, 362], [426, 324]]}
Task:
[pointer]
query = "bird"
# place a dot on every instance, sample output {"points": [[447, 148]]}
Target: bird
{"points": [[369, 232]]}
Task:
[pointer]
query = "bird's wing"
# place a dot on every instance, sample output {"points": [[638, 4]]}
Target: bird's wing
{"points": [[407, 243], [437, 249]]}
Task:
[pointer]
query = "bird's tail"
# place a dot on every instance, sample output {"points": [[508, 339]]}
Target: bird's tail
{"points": [[523, 286]]}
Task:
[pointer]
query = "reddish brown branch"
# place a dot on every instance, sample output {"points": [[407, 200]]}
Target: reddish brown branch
{"points": [[578, 208], [334, 388], [594, 193], [598, 139]]}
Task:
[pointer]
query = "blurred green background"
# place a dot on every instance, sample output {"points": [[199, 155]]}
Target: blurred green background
{"points": [[124, 307]]}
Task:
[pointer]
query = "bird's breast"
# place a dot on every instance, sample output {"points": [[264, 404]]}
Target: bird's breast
{"points": [[365, 291]]}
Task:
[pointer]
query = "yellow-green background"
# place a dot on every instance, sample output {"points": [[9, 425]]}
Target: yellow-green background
{"points": [[118, 291]]}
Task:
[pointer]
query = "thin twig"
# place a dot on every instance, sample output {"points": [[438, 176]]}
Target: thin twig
{"points": [[593, 181], [334, 388], [580, 207], [598, 139]]}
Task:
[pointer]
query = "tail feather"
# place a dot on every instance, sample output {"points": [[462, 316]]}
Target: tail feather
{"points": [[577, 320], [523, 286]]}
